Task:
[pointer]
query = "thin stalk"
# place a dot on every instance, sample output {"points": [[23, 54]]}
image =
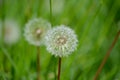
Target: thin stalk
{"points": [[59, 68], [51, 20], [38, 63], [50, 1], [106, 56], [3, 21], [2, 36]]}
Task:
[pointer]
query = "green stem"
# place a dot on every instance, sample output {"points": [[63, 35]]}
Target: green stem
{"points": [[5, 56], [51, 20], [51, 12], [3, 21]]}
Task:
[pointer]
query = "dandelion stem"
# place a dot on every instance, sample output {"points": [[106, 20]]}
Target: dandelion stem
{"points": [[2, 37], [51, 20], [107, 55], [50, 1], [38, 63], [3, 21], [59, 68]]}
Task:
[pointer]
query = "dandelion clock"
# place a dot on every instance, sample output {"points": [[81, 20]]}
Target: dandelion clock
{"points": [[34, 33], [11, 31], [35, 30], [61, 41]]}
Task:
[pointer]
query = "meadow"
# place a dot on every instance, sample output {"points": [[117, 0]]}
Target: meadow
{"points": [[95, 22]]}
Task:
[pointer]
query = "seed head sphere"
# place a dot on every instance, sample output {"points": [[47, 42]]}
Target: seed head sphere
{"points": [[61, 41], [35, 31]]}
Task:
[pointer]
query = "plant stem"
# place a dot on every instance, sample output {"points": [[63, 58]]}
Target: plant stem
{"points": [[59, 68], [50, 1], [2, 36], [107, 55], [51, 20], [38, 63], [3, 22]]}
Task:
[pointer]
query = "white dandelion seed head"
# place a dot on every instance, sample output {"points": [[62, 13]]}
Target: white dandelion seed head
{"points": [[35, 31], [61, 41], [11, 32]]}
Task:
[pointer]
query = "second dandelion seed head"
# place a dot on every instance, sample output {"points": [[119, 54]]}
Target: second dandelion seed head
{"points": [[35, 31], [61, 41]]}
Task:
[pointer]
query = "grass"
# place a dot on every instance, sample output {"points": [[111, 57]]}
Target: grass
{"points": [[93, 21]]}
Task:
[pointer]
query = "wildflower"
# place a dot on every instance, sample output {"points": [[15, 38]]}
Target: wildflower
{"points": [[35, 30], [61, 41], [11, 32]]}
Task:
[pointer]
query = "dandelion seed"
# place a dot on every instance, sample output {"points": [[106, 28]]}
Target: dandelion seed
{"points": [[35, 30], [11, 32], [61, 41]]}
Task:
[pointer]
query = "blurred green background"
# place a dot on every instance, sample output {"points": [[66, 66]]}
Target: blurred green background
{"points": [[96, 22]]}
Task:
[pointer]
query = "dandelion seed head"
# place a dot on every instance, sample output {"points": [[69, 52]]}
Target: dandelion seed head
{"points": [[11, 31], [35, 31], [61, 41]]}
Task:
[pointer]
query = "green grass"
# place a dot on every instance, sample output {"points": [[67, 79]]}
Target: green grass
{"points": [[95, 23]]}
